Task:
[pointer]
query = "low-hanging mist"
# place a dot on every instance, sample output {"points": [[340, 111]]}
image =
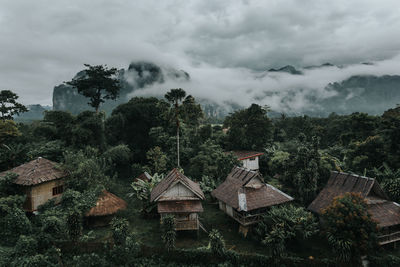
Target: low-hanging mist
{"points": [[283, 92]]}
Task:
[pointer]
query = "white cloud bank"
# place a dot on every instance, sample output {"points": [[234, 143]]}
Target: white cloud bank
{"points": [[243, 86], [222, 44]]}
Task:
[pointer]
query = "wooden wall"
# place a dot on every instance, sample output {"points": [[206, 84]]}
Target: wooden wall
{"points": [[39, 194], [251, 163], [178, 190]]}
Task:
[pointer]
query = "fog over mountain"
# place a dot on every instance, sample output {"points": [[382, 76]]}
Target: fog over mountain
{"points": [[369, 87], [227, 48]]}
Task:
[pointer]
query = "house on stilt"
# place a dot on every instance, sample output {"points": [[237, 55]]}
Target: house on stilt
{"points": [[179, 196], [384, 211], [245, 197], [41, 180]]}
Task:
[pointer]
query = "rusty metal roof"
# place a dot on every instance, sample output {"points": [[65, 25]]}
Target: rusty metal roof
{"points": [[256, 197], [107, 204], [170, 179], [37, 171], [185, 206], [242, 155]]}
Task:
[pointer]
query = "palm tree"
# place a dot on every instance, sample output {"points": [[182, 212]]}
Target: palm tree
{"points": [[175, 96]]}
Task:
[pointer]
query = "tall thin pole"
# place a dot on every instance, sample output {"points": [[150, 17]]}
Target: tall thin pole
{"points": [[177, 145], [177, 130]]}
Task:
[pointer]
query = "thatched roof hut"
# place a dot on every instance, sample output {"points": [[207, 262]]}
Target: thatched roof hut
{"points": [[36, 171], [385, 212], [41, 179], [106, 206]]}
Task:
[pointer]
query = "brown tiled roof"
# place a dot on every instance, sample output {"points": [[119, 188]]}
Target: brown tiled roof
{"points": [[242, 155], [256, 197], [37, 171], [340, 183], [107, 204], [170, 179], [386, 213], [185, 206]]}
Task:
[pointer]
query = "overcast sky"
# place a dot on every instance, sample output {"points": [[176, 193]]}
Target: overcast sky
{"points": [[44, 43]]}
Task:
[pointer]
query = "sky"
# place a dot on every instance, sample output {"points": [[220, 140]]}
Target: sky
{"points": [[224, 45]]}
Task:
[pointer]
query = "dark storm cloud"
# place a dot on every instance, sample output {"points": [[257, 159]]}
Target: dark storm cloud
{"points": [[44, 43]]}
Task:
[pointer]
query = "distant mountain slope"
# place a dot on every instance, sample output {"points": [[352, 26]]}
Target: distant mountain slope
{"points": [[137, 76], [359, 93], [36, 112], [367, 93]]}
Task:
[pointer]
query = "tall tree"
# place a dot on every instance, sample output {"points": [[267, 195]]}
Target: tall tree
{"points": [[304, 170], [9, 105], [175, 96], [98, 83], [249, 128]]}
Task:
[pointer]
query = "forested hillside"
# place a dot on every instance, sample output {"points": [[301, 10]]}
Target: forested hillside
{"points": [[100, 151]]}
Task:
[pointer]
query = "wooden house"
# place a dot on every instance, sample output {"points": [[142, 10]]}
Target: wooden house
{"points": [[248, 159], [178, 195], [41, 180], [245, 197], [385, 212], [106, 206]]}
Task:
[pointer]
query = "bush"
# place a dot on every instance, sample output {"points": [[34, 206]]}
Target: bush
{"points": [[120, 228], [216, 243], [74, 225], [283, 224], [169, 233]]}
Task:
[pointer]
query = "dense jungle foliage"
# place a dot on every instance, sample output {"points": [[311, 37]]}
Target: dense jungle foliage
{"points": [[102, 152]]}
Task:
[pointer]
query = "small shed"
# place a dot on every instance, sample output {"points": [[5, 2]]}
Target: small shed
{"points": [[249, 159], [245, 197], [41, 179], [178, 195], [144, 177], [106, 206], [385, 212]]}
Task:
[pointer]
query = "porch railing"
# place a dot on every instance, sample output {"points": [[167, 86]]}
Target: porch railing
{"points": [[388, 238], [246, 219], [186, 225]]}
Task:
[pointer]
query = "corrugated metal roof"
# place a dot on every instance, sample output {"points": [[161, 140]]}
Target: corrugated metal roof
{"points": [[37, 171], [242, 155]]}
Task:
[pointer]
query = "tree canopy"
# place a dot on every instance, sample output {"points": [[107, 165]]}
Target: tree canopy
{"points": [[97, 83], [9, 105], [350, 229], [249, 129]]}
